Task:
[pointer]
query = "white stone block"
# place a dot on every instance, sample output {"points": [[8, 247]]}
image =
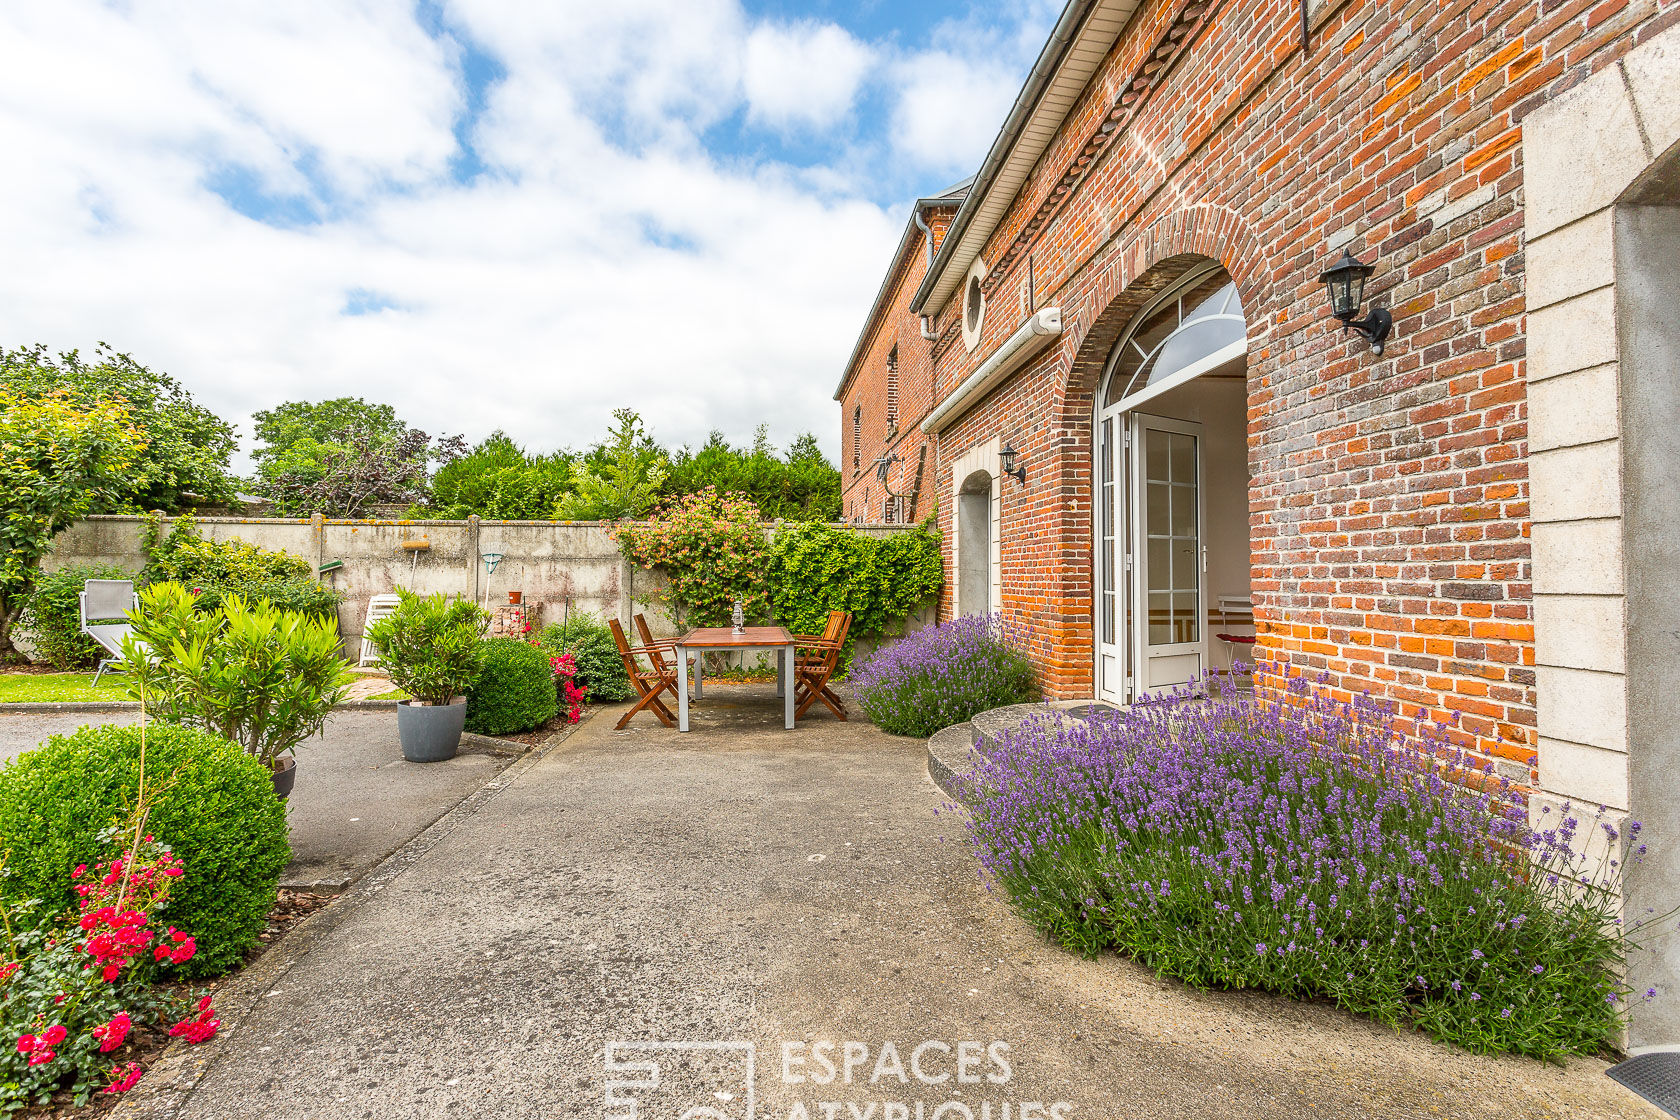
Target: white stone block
{"points": [[1586, 774], [1582, 706], [1578, 557], [1580, 152], [1574, 483], [1653, 73], [1576, 334], [1581, 632], [1571, 260], [1574, 408]]}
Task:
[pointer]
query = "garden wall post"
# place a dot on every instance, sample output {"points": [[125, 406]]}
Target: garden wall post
{"points": [[474, 562]]}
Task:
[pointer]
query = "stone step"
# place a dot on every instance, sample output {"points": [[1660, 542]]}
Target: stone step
{"points": [[952, 752]]}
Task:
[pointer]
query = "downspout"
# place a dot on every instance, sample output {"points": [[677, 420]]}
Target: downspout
{"points": [[927, 241]]}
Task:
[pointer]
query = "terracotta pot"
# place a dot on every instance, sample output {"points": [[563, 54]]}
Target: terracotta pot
{"points": [[516, 597], [284, 777]]}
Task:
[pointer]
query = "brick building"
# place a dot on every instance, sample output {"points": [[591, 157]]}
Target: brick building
{"points": [[887, 388], [1481, 520]]}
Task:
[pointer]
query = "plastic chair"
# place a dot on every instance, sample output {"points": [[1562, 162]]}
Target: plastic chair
{"points": [[101, 601], [380, 606]]}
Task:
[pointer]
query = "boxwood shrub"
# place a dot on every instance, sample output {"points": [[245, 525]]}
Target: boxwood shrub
{"points": [[52, 615], [515, 692], [211, 803]]}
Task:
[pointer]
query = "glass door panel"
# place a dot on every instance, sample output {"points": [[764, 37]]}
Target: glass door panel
{"points": [[1171, 650]]}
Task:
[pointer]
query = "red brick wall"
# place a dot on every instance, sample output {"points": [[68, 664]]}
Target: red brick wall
{"points": [[1388, 503], [861, 493]]}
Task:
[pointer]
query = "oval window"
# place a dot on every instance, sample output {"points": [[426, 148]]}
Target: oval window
{"points": [[976, 304]]}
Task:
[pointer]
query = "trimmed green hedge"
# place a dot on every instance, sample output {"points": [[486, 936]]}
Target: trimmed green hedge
{"points": [[515, 691], [211, 803]]}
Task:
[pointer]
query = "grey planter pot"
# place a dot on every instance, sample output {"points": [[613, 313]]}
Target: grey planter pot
{"points": [[431, 732], [285, 777]]}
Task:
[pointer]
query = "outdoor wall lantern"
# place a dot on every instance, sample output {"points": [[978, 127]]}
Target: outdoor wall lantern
{"points": [[1010, 467], [1345, 283]]}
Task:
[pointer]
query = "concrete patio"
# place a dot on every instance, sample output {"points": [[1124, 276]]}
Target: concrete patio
{"points": [[744, 884]]}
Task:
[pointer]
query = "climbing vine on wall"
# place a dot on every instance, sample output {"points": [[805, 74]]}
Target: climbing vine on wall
{"points": [[817, 568], [712, 549]]}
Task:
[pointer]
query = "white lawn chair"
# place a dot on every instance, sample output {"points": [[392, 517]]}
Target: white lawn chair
{"points": [[102, 601], [378, 607]]}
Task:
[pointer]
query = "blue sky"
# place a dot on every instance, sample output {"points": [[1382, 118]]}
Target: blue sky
{"points": [[490, 214]]}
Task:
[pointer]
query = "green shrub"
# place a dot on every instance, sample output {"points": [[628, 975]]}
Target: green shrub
{"points": [[211, 803], [431, 647], [515, 691], [815, 569], [262, 677], [183, 556], [300, 596], [600, 669], [53, 620]]}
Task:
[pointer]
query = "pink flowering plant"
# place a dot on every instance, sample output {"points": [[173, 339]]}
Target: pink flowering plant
{"points": [[1287, 840], [565, 679], [74, 987], [711, 547]]}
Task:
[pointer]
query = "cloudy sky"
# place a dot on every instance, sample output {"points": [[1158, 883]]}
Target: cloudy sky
{"points": [[490, 213]]}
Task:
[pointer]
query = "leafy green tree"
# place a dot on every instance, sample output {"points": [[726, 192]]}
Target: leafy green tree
{"points": [[499, 479], [343, 457], [60, 458], [804, 486], [621, 477], [185, 460]]}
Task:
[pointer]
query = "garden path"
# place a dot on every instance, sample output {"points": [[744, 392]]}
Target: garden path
{"points": [[747, 883]]}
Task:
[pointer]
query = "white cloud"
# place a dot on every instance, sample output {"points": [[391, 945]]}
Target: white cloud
{"points": [[950, 109], [805, 74], [607, 257]]}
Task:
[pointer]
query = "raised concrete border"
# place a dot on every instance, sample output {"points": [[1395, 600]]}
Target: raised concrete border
{"points": [[951, 753], [177, 1072], [1601, 467]]}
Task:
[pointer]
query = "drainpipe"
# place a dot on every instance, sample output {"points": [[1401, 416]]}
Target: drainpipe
{"points": [[927, 241]]}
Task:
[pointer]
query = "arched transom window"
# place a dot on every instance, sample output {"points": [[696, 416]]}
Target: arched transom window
{"points": [[1199, 330]]}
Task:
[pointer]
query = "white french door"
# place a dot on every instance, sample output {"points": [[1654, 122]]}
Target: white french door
{"points": [[1151, 556]]}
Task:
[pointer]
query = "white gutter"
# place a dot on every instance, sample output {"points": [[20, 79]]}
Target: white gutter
{"points": [[1042, 327]]}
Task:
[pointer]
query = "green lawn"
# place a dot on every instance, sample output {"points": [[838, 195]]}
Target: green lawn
{"points": [[29, 688]]}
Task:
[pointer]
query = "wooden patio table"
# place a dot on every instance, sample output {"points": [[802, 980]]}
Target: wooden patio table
{"points": [[704, 638]]}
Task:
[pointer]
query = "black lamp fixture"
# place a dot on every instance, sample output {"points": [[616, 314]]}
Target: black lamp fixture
{"points": [[1016, 471], [884, 464], [1344, 281]]}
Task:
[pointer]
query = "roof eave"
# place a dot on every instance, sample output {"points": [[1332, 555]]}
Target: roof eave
{"points": [[1073, 25]]}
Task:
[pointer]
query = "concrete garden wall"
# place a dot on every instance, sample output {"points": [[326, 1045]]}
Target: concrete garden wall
{"points": [[561, 566]]}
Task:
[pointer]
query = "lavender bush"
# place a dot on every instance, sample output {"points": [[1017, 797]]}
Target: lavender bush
{"points": [[1305, 846], [943, 675]]}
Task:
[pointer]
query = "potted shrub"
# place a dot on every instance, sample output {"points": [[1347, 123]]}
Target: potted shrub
{"points": [[432, 649], [247, 671]]}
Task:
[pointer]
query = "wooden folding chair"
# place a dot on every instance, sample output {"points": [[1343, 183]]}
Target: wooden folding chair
{"points": [[650, 684], [658, 649], [817, 660]]}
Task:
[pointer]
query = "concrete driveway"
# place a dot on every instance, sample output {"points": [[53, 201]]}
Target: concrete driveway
{"points": [[680, 903], [355, 801]]}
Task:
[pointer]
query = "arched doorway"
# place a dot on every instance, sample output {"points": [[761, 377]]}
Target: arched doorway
{"points": [[1171, 504], [974, 544]]}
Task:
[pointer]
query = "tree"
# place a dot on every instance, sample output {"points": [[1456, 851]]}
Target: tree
{"points": [[499, 479], [185, 460], [802, 487], [343, 457], [60, 457], [621, 477]]}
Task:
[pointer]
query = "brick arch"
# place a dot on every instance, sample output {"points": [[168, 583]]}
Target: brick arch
{"points": [[1141, 267]]}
